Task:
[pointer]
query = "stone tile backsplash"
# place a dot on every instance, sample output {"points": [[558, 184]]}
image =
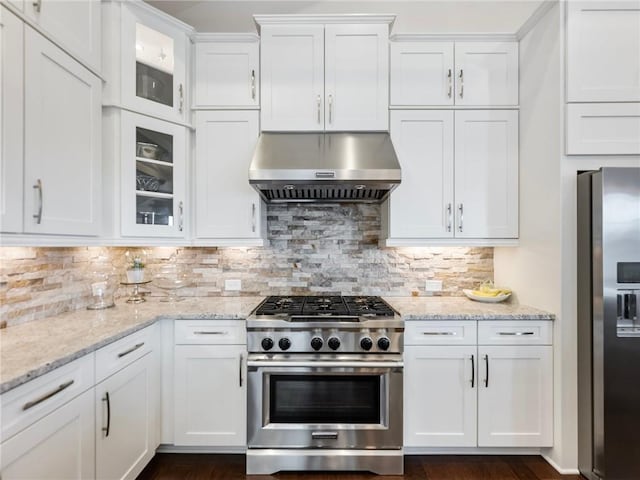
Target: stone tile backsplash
{"points": [[313, 250]]}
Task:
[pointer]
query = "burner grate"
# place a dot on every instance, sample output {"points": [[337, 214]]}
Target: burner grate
{"points": [[325, 306]]}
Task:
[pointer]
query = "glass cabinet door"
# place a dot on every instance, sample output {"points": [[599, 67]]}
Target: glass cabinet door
{"points": [[153, 160], [154, 55]]}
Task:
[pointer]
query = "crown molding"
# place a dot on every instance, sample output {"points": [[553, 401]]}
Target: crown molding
{"points": [[535, 17], [327, 19], [454, 37], [225, 37]]}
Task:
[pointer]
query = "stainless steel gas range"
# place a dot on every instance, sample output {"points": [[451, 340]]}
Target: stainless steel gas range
{"points": [[324, 385]]}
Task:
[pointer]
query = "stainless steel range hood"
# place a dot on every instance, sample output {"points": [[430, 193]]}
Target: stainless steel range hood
{"points": [[324, 167]]}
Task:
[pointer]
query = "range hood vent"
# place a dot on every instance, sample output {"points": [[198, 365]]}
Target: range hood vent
{"points": [[324, 167]]}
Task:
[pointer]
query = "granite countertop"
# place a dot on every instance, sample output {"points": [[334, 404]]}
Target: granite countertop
{"points": [[35, 348], [461, 308]]}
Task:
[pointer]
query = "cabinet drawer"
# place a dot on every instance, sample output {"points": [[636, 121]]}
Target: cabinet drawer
{"points": [[30, 402], [528, 332], [118, 355], [208, 332], [441, 333]]}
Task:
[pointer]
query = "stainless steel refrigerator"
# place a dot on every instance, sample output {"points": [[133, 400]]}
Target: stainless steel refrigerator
{"points": [[608, 324]]}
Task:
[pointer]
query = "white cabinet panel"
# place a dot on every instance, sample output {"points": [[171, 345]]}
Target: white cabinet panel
{"points": [[449, 332], [227, 206], [227, 74], [125, 421], [59, 446], [603, 51], [486, 73], [422, 73], [515, 397], [356, 77], [486, 174], [421, 205], [603, 129], [204, 416], [503, 332], [440, 396], [292, 68], [63, 112], [11, 120], [75, 24], [117, 355], [199, 332]]}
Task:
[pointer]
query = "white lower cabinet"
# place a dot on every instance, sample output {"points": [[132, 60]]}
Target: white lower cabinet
{"points": [[515, 396], [58, 446], [440, 396], [492, 395], [125, 421], [210, 395]]}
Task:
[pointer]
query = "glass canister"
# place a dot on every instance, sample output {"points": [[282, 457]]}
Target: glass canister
{"points": [[103, 282]]}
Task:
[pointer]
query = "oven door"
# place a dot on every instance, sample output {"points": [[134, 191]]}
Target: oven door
{"points": [[324, 402]]}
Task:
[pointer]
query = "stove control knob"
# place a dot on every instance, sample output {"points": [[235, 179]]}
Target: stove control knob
{"points": [[366, 343], [284, 344], [334, 343], [384, 343], [316, 343], [267, 343]]}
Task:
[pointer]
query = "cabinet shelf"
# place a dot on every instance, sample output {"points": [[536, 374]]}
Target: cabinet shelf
{"points": [[155, 162], [144, 193]]}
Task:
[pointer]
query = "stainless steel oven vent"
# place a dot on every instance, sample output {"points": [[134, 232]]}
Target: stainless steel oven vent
{"points": [[328, 193]]}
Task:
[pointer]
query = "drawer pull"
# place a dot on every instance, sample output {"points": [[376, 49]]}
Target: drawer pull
{"points": [[324, 435], [107, 429], [47, 396], [210, 333], [132, 349], [448, 334], [515, 334]]}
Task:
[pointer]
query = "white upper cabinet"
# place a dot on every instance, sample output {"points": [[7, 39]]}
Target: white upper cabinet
{"points": [[63, 132], [227, 71], [145, 60], [11, 120], [75, 24], [356, 77], [486, 73], [603, 51], [459, 176], [421, 206], [318, 76], [432, 73], [486, 174], [421, 73], [292, 66], [153, 177], [228, 209]]}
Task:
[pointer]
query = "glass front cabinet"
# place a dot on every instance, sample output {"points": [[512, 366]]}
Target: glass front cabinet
{"points": [[153, 160], [146, 54]]}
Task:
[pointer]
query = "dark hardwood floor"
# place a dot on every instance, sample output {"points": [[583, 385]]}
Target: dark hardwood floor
{"points": [[167, 466]]}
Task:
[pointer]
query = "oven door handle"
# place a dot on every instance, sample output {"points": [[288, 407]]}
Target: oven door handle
{"points": [[321, 364]]}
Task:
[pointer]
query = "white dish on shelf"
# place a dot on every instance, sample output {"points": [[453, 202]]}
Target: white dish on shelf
{"points": [[497, 299]]}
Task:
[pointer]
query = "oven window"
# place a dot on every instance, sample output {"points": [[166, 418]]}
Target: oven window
{"points": [[324, 399]]}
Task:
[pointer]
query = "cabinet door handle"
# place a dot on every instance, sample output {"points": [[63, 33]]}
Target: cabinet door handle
{"points": [[181, 216], [517, 334], [240, 371], [204, 332], [330, 109], [37, 5], [253, 84], [473, 371], [181, 92], [461, 220], [131, 350], [108, 427], [253, 217], [449, 216], [38, 216], [461, 77], [486, 378], [47, 396], [449, 334], [450, 80], [319, 102]]}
